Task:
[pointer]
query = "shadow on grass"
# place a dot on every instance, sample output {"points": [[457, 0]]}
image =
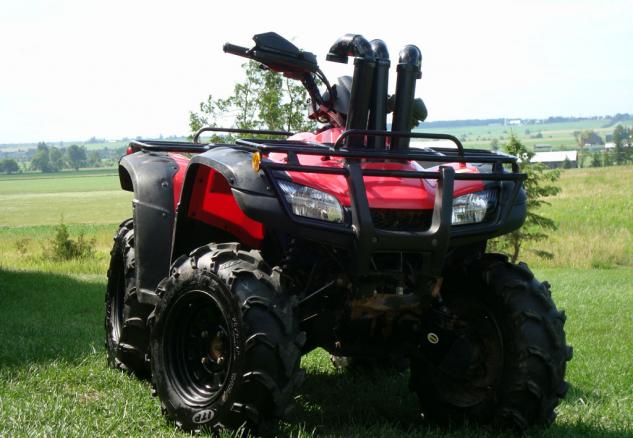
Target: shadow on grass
{"points": [[48, 317], [338, 402], [380, 404]]}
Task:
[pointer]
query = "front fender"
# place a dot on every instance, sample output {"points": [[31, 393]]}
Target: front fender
{"points": [[208, 209], [150, 175]]}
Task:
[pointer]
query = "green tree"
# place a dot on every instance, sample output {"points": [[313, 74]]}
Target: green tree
{"points": [[587, 136], [56, 159], [269, 97], [540, 184], [622, 140], [41, 159], [295, 110], [263, 100], [494, 144], [76, 156], [9, 165], [94, 158]]}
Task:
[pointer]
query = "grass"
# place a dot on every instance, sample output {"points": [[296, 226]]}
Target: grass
{"points": [[558, 135], [84, 197], [595, 221], [53, 378]]}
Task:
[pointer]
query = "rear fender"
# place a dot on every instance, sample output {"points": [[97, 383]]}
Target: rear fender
{"points": [[151, 177], [208, 210]]}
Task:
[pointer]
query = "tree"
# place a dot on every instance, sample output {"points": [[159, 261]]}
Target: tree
{"points": [[540, 184], [76, 156], [41, 160], [263, 100], [94, 158], [9, 166], [622, 140], [587, 136], [56, 159], [494, 144]]}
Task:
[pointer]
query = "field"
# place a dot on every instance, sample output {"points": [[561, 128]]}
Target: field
{"points": [[53, 379], [559, 135]]}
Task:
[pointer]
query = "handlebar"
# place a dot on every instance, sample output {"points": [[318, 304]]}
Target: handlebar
{"points": [[236, 50]]}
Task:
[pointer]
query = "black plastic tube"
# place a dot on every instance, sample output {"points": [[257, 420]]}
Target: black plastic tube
{"points": [[409, 70], [378, 102], [362, 81]]}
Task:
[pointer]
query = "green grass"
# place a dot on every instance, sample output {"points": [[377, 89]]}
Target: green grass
{"points": [[65, 173], [594, 213], [558, 135], [85, 197], [53, 378]]}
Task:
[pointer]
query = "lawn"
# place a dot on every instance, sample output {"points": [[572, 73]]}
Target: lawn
{"points": [[53, 378]]}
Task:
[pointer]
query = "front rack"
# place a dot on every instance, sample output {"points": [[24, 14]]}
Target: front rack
{"points": [[292, 148], [367, 238]]}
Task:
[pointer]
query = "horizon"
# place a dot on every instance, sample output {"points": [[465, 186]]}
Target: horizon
{"points": [[530, 121], [74, 69]]}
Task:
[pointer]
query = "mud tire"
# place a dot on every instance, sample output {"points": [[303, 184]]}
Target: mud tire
{"points": [[261, 343], [127, 334], [530, 377]]}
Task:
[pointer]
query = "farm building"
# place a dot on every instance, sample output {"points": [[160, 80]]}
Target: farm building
{"points": [[542, 147], [556, 159]]}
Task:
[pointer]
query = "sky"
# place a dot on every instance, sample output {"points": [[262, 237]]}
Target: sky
{"points": [[71, 70]]}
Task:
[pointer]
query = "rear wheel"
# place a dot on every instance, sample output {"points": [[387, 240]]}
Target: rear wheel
{"points": [[126, 329], [498, 353], [225, 342]]}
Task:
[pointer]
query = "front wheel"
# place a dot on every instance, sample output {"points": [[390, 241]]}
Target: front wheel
{"points": [[497, 352], [225, 342]]}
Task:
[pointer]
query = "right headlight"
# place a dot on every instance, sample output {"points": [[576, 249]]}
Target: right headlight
{"points": [[472, 208]]}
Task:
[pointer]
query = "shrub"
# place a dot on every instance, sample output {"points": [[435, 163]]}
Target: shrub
{"points": [[63, 247], [22, 245]]}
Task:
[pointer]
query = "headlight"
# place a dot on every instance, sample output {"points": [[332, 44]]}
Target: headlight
{"points": [[312, 203], [472, 208]]}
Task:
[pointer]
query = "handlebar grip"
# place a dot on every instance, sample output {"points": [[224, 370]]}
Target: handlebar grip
{"points": [[236, 50]]}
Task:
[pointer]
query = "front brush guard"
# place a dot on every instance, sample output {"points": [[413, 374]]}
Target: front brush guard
{"points": [[269, 206]]}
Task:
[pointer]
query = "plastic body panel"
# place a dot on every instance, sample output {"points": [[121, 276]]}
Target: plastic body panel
{"points": [[151, 177]]}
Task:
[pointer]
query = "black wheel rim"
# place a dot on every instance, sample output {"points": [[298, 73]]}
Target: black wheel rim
{"points": [[472, 368], [197, 347]]}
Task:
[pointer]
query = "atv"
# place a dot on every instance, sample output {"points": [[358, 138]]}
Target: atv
{"points": [[365, 241]]}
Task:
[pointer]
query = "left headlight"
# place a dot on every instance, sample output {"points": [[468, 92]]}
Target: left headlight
{"points": [[472, 208], [312, 203]]}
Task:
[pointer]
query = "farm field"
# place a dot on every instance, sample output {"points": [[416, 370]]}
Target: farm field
{"points": [[53, 378], [558, 135]]}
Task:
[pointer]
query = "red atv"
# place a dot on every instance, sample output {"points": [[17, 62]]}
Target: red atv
{"points": [[248, 255]]}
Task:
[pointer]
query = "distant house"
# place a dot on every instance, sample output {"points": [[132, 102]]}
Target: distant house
{"points": [[556, 159], [515, 122], [542, 147], [609, 145]]}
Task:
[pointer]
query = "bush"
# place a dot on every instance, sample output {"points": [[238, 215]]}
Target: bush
{"points": [[539, 185], [62, 247], [22, 245]]}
